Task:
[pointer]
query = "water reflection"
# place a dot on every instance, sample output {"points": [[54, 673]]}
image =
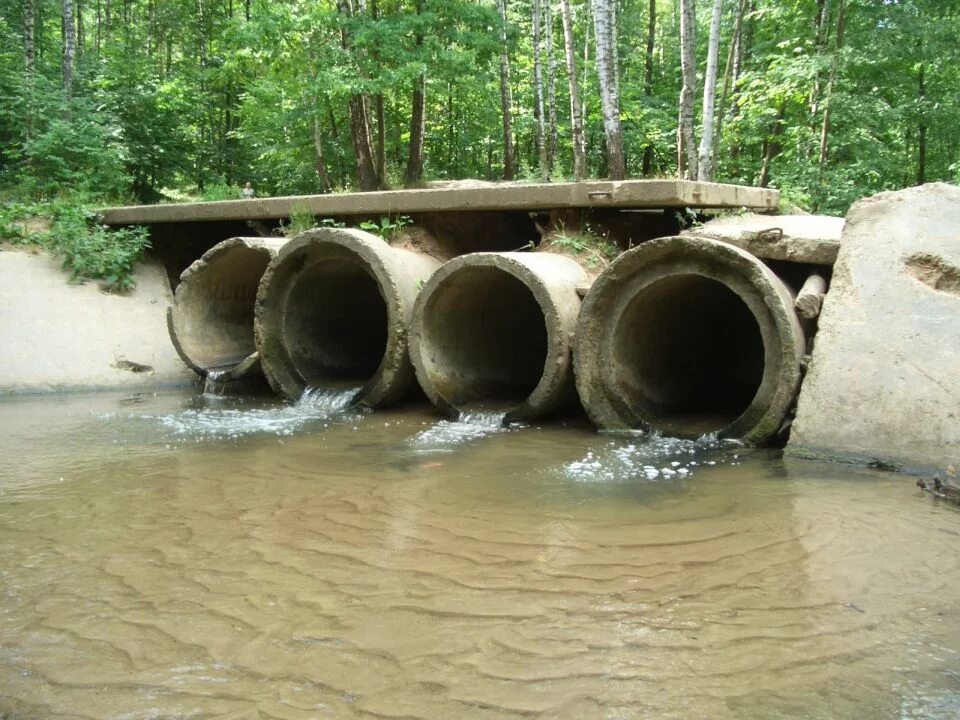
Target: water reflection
{"points": [[335, 571]]}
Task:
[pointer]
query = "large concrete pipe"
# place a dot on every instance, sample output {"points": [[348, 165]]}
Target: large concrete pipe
{"points": [[211, 318], [689, 336], [333, 310], [492, 331]]}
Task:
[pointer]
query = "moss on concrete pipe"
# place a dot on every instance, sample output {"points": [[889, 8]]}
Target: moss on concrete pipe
{"points": [[493, 331], [689, 336], [211, 317], [333, 310]]}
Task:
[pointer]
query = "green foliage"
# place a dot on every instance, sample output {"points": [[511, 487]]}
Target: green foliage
{"points": [[301, 220], [91, 251], [387, 227], [186, 95], [596, 250]]}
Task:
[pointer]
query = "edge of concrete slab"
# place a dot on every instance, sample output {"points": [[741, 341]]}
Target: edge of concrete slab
{"points": [[493, 197]]}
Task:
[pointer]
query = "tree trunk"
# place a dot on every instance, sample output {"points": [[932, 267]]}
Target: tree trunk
{"points": [[29, 49], [359, 119], [30, 62], [828, 98], [773, 144], [417, 131], [576, 118], [506, 99], [381, 148], [705, 167], [729, 78], [69, 47], [922, 129], [80, 33], [604, 19], [586, 64], [821, 29], [538, 96], [417, 119], [686, 140], [319, 163], [552, 133], [648, 78]]}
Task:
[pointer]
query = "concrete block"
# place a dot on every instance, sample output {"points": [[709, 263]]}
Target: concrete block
{"points": [[797, 238], [884, 380]]}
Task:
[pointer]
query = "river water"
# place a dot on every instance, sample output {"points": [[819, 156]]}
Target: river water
{"points": [[181, 556]]}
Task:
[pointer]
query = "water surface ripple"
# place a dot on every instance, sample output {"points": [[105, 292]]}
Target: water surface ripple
{"points": [[150, 568]]}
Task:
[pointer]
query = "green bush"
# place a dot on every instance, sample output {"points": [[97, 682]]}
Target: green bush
{"points": [[91, 251]]}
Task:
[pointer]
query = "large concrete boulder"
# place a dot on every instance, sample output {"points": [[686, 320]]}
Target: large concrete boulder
{"points": [[884, 380]]}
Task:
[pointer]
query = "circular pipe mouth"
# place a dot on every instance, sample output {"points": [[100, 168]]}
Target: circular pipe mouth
{"points": [[483, 339], [335, 323], [689, 336], [212, 316], [688, 355], [332, 312]]}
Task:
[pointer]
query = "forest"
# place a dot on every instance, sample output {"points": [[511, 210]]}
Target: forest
{"points": [[162, 100]]}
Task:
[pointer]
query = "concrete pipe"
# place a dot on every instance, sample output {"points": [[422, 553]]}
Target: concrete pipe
{"points": [[492, 331], [211, 318], [689, 336], [333, 311]]}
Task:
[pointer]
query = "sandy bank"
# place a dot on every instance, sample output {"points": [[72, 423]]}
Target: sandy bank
{"points": [[56, 336]]}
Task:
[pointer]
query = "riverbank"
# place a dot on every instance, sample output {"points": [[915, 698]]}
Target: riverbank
{"points": [[59, 336]]}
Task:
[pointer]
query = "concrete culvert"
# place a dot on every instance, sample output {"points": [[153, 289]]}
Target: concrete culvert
{"points": [[211, 318], [492, 331], [689, 336], [333, 311]]}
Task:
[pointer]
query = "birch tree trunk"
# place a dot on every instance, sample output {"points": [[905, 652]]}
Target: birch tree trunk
{"points": [[686, 140], [538, 95], [604, 19], [551, 88], [69, 47], [705, 167], [576, 118], [506, 96]]}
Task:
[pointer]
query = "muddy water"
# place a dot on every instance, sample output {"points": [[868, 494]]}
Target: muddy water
{"points": [[182, 557]]}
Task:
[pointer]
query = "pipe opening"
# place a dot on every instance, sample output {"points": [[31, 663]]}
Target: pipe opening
{"points": [[484, 338], [213, 311], [335, 323], [688, 355]]}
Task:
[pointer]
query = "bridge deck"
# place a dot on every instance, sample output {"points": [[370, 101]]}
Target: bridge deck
{"points": [[635, 194]]}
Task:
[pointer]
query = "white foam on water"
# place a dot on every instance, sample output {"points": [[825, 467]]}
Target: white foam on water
{"points": [[646, 456], [470, 425], [215, 422]]}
